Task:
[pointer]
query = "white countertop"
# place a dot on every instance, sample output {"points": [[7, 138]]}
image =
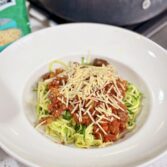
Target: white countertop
{"points": [[8, 161]]}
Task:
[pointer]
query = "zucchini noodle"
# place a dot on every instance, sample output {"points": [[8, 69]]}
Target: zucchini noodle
{"points": [[42, 100], [65, 129], [133, 103], [51, 66], [62, 130], [87, 139]]}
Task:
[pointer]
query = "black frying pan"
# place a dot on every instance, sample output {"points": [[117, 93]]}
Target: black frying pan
{"points": [[118, 12]]}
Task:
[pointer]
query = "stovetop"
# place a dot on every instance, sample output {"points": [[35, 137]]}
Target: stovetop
{"points": [[155, 29]]}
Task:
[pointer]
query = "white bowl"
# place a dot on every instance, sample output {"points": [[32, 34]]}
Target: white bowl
{"points": [[137, 59]]}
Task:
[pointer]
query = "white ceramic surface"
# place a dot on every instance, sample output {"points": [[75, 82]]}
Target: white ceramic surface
{"points": [[137, 59]]}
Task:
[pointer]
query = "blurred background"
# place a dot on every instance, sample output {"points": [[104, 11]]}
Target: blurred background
{"points": [[147, 17]]}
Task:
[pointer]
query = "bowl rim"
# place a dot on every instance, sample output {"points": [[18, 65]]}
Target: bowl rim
{"points": [[15, 155]]}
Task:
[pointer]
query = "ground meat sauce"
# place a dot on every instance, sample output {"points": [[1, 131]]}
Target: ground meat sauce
{"points": [[112, 128], [100, 62]]}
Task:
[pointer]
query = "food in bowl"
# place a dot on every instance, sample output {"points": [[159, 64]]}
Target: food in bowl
{"points": [[86, 104]]}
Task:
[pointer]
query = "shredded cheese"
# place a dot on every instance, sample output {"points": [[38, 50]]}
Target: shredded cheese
{"points": [[85, 85]]}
